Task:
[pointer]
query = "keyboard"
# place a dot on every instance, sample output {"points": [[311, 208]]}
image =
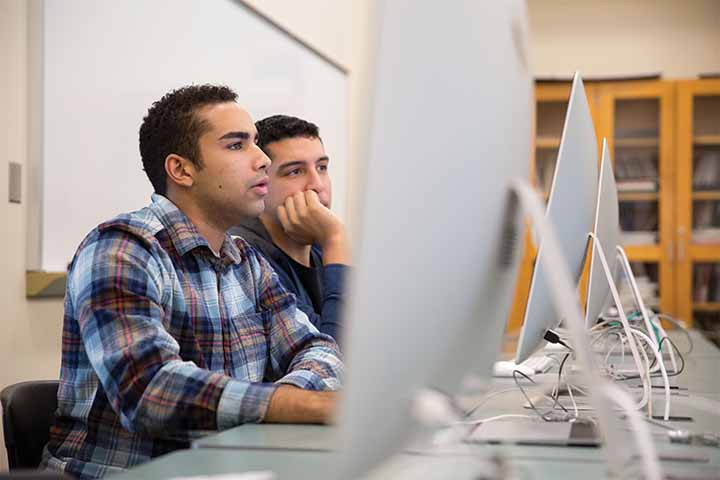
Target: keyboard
{"points": [[531, 366]]}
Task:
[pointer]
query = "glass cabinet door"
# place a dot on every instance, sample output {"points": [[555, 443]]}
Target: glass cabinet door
{"points": [[637, 122], [698, 206]]}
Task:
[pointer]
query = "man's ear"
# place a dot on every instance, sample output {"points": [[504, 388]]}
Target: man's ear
{"points": [[180, 171]]}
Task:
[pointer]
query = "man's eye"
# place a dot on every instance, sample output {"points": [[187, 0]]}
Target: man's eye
{"points": [[322, 168], [235, 146], [293, 173]]}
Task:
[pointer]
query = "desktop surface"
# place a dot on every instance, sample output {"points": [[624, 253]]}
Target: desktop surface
{"points": [[274, 437], [304, 451], [315, 465]]}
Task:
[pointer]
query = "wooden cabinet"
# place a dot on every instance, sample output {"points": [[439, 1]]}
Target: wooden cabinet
{"points": [[637, 118], [698, 202]]}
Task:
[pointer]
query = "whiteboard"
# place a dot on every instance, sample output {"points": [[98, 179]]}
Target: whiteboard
{"points": [[105, 61]]}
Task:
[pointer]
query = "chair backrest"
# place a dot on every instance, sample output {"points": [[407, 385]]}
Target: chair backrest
{"points": [[28, 411]]}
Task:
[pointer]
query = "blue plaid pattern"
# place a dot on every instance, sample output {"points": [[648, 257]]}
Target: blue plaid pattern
{"points": [[162, 337]]}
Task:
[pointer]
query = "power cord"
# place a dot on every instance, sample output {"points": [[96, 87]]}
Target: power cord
{"points": [[553, 337]]}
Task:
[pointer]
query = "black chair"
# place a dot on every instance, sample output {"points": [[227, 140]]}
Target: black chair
{"points": [[28, 411]]}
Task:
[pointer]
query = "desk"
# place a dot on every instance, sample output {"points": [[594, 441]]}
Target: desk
{"points": [[306, 451], [701, 345], [274, 437], [319, 465]]}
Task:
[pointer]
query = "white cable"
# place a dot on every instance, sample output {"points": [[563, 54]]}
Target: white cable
{"points": [[623, 319], [663, 334], [612, 348], [566, 302], [637, 331], [619, 375], [572, 399], [666, 380], [612, 372], [642, 353], [635, 290], [433, 408], [678, 323], [646, 371], [490, 395], [648, 324], [600, 325]]}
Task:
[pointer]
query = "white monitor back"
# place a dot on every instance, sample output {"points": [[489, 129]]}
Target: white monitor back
{"points": [[571, 209], [436, 257], [607, 231]]}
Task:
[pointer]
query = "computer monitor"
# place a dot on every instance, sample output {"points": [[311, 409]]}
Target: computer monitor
{"points": [[571, 209], [436, 260], [606, 244], [607, 231]]}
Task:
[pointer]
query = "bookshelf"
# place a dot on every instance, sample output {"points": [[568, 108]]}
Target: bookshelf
{"points": [[698, 202]]}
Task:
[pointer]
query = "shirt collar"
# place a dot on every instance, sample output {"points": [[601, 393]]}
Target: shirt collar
{"points": [[183, 233]]}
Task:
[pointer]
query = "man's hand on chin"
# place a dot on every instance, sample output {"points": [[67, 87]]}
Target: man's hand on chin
{"points": [[306, 220]]}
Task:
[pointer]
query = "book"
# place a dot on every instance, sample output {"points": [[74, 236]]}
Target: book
{"points": [[637, 186]]}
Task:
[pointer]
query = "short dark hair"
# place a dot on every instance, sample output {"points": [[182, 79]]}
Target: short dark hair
{"points": [[173, 126], [279, 127]]}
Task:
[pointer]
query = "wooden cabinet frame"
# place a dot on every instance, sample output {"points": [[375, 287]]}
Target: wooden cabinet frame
{"points": [[687, 253]]}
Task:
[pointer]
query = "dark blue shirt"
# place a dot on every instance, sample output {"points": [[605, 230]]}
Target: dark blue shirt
{"points": [[319, 288]]}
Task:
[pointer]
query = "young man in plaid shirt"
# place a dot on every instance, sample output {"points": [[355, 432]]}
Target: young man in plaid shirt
{"points": [[170, 325]]}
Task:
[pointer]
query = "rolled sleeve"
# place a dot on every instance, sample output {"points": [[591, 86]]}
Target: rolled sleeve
{"points": [[309, 380], [243, 402]]}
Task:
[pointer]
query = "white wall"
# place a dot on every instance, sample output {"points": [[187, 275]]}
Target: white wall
{"points": [[29, 331], [678, 38], [323, 24], [342, 30]]}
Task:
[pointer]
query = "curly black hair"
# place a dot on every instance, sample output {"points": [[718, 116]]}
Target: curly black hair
{"points": [[279, 127], [173, 126]]}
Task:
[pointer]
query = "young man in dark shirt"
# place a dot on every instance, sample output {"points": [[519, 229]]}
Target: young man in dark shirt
{"points": [[305, 242]]}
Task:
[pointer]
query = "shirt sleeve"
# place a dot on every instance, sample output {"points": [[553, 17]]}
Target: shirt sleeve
{"points": [[333, 276], [299, 353], [116, 287]]}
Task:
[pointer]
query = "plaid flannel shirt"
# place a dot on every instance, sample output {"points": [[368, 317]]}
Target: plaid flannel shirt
{"points": [[162, 337]]}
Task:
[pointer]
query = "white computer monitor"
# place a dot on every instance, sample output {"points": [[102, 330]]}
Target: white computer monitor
{"points": [[571, 209], [436, 260], [608, 260], [607, 231]]}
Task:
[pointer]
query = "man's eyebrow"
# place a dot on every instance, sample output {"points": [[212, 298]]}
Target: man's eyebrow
{"points": [[296, 163], [240, 135]]}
